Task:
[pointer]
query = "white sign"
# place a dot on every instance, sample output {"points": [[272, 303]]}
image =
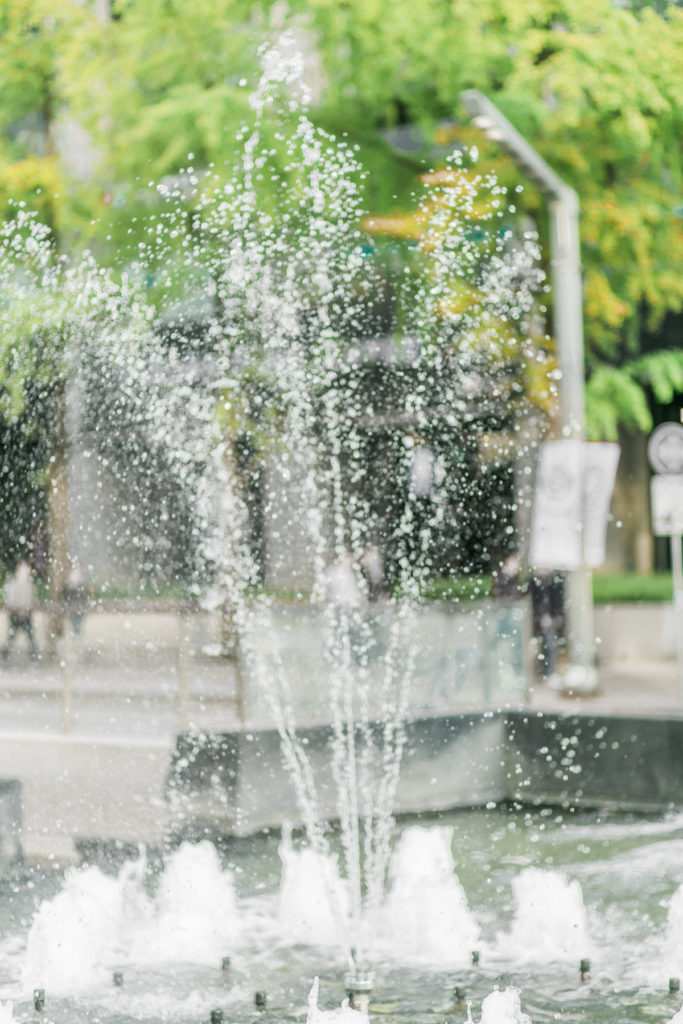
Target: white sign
{"points": [[667, 505], [573, 493], [600, 461], [665, 448], [556, 522]]}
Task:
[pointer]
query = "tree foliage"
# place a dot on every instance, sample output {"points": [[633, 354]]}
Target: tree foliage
{"points": [[595, 88], [162, 88]]}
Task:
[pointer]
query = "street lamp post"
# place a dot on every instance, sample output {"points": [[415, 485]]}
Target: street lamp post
{"points": [[568, 321]]}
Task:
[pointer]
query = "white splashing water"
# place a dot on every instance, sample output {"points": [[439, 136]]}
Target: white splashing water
{"points": [[342, 1015], [99, 922], [425, 917], [195, 910], [312, 895], [550, 918], [282, 283], [6, 1016], [673, 941], [502, 1008], [74, 937]]}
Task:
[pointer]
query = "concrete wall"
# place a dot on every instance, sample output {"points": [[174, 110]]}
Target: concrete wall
{"points": [[629, 762], [76, 789], [236, 783], [638, 632]]}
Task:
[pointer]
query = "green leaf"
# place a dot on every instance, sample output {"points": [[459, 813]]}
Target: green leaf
{"points": [[663, 371], [613, 397]]}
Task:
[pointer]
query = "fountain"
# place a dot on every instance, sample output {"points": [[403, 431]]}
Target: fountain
{"points": [[293, 289], [534, 892]]}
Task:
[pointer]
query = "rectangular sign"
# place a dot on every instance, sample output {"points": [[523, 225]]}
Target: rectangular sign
{"points": [[556, 521], [666, 493], [574, 486], [600, 461]]}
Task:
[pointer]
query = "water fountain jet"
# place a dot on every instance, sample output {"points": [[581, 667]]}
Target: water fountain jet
{"points": [[283, 275]]}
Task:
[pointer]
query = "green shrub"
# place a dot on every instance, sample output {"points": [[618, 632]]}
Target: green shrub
{"points": [[629, 586]]}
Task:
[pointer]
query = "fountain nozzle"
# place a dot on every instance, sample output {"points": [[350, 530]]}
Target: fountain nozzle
{"points": [[39, 999], [359, 985], [584, 969], [459, 997], [674, 986]]}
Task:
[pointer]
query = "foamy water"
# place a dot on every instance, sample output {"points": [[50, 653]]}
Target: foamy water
{"points": [[169, 934], [425, 917], [312, 898], [550, 920], [342, 1015], [502, 1007], [97, 923]]}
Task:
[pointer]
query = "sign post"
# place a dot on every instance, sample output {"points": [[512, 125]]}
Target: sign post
{"points": [[665, 452], [574, 485]]}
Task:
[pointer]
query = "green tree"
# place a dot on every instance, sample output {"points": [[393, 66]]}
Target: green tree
{"points": [[596, 89], [162, 89], [33, 35], [56, 318]]}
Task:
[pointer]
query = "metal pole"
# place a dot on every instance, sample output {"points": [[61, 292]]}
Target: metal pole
{"points": [[182, 678], [568, 323], [66, 673], [677, 570]]}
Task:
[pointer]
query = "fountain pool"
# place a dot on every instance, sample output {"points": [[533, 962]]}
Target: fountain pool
{"points": [[533, 891]]}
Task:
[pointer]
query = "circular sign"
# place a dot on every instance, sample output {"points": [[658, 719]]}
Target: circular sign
{"points": [[665, 449]]}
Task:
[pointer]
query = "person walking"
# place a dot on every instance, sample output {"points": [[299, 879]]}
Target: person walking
{"points": [[547, 605], [74, 595], [20, 601]]}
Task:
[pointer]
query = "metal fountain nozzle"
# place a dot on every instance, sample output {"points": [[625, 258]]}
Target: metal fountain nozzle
{"points": [[359, 984]]}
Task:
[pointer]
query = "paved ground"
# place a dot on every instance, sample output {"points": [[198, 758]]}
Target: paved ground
{"points": [[625, 686]]}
